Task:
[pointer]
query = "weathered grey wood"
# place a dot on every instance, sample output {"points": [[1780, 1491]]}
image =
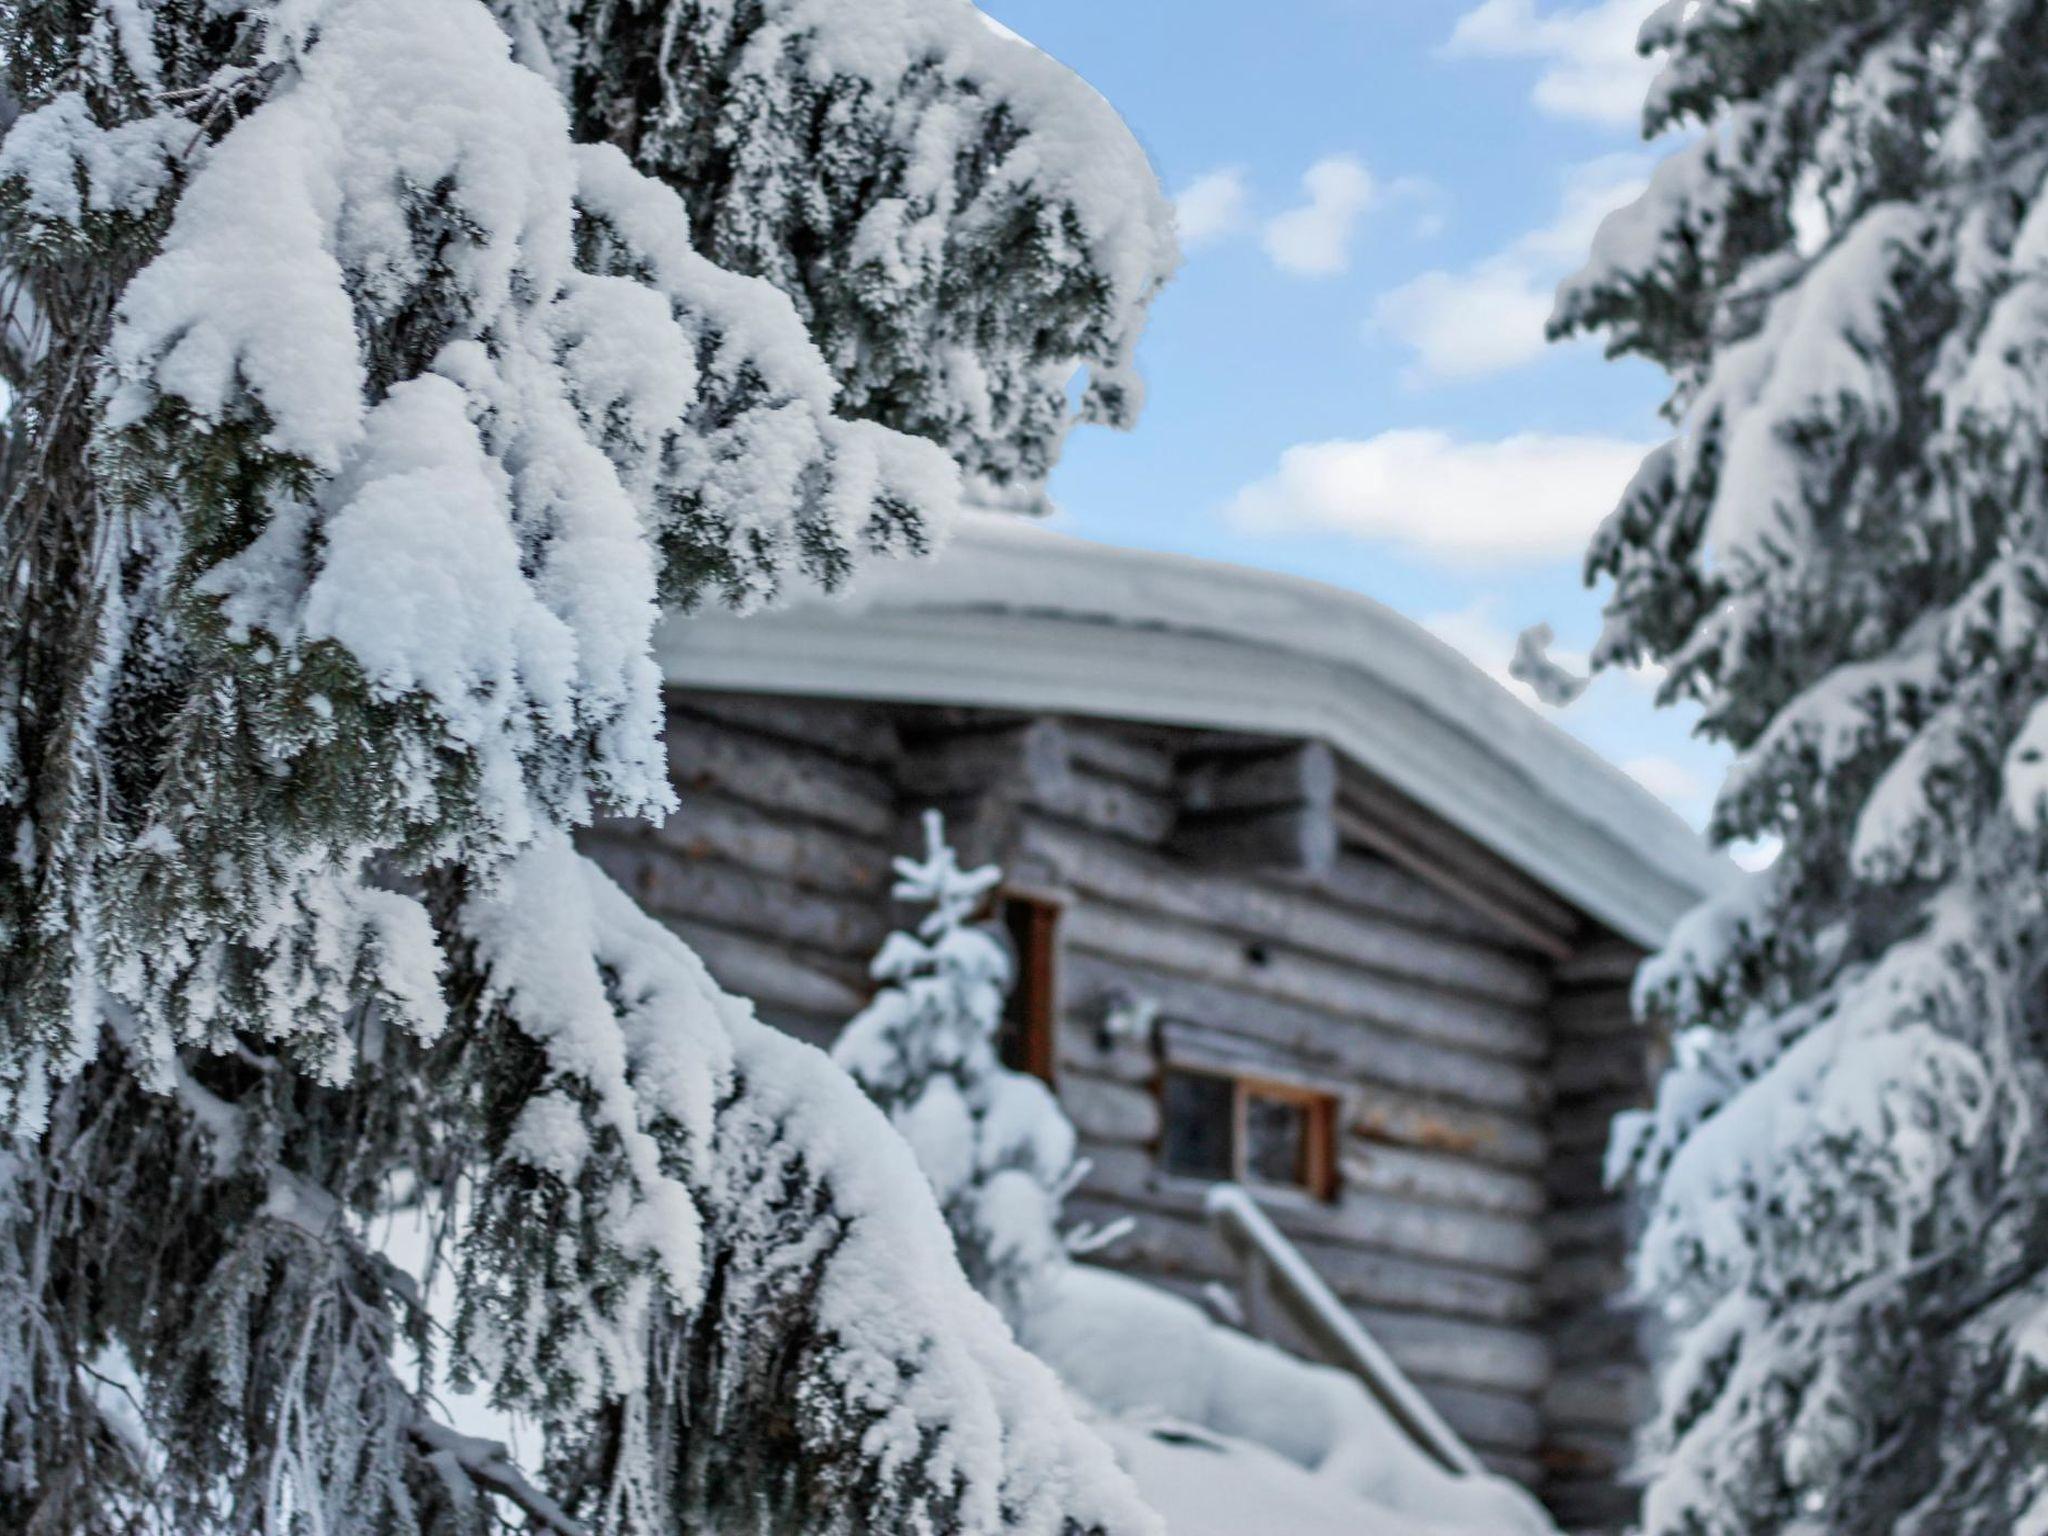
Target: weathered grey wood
{"points": [[1394, 1060], [1577, 1176], [1302, 774], [1249, 910], [1029, 762], [1124, 810], [1250, 1029], [1600, 1014], [1498, 1244], [1615, 1398], [1117, 754], [859, 732], [1403, 1118], [1484, 1355], [1082, 1047], [1607, 960], [1582, 1069], [1491, 1421], [1587, 1276], [1108, 1110], [1366, 882], [1184, 1244], [1396, 831], [1370, 801], [1299, 838], [1585, 1122], [1436, 1178], [1268, 969], [774, 976], [709, 826], [795, 782], [741, 900], [1604, 1226]]}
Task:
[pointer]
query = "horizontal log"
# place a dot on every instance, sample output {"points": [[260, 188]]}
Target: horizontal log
{"points": [[709, 826], [1357, 1218], [858, 731], [1434, 1349], [1605, 959], [1584, 1277], [1601, 1334], [1490, 1421], [1267, 969], [1604, 1227], [1434, 1178], [1615, 1398], [1081, 1046], [1250, 910], [1185, 1245], [775, 976], [1587, 1124], [1236, 1027], [1025, 762], [793, 782], [1302, 838], [1108, 805], [1476, 868], [1584, 1068], [1365, 882], [1601, 1013], [1398, 1118], [740, 900], [1304, 774], [1108, 1110], [1115, 754]]}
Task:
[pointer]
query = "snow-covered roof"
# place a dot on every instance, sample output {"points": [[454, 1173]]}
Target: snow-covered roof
{"points": [[1014, 615]]}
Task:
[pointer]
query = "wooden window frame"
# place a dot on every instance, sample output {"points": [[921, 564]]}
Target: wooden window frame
{"points": [[1320, 1120], [1036, 986]]}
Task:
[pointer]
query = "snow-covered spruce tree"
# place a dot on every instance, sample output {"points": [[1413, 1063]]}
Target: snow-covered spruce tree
{"points": [[1843, 557], [997, 1148], [961, 223], [357, 421]]}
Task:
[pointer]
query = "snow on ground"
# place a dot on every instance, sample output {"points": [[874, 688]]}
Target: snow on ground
{"points": [[1205, 1484], [1223, 1432]]}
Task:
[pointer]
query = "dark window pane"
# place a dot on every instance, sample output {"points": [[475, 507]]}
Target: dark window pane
{"points": [[1276, 1135], [1198, 1115]]}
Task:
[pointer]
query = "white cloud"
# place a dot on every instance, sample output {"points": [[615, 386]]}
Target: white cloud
{"points": [[1526, 498], [1314, 240], [1489, 317], [1591, 70], [1210, 207]]}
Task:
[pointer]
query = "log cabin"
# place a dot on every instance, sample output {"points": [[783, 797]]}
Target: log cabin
{"points": [[1301, 900]]}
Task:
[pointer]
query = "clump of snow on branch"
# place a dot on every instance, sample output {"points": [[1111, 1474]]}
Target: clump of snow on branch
{"points": [[965, 225], [1839, 558], [374, 422]]}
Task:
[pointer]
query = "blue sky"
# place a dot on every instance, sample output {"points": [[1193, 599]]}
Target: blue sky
{"points": [[1346, 380]]}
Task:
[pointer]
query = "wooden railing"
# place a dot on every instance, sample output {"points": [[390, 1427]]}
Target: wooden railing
{"points": [[1278, 1278]]}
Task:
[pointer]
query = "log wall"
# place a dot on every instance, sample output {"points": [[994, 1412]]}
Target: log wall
{"points": [[1285, 917]]}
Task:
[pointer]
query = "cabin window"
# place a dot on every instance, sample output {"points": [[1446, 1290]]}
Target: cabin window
{"points": [[1030, 1023], [1275, 1135]]}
